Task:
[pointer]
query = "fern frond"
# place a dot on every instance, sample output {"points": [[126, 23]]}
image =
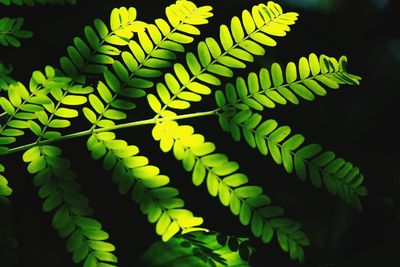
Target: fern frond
{"points": [[5, 79], [92, 54], [33, 2], [155, 48], [10, 31], [57, 113], [199, 249], [23, 107], [72, 217], [223, 181], [275, 86], [82, 60], [308, 161], [238, 44], [154, 51], [133, 174]]}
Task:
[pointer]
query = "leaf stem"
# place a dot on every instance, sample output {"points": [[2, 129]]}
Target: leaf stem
{"points": [[113, 128]]}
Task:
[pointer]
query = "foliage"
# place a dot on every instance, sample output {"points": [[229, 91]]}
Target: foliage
{"points": [[10, 31], [199, 249], [124, 60]]}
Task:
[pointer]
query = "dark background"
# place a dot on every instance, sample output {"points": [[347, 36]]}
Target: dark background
{"points": [[357, 123]]}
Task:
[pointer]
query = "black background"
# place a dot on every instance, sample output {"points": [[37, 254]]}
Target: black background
{"points": [[357, 123]]}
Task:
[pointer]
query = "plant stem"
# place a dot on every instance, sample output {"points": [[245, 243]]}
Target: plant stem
{"points": [[113, 128]]}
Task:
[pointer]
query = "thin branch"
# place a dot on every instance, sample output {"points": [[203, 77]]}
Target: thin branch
{"points": [[113, 128]]}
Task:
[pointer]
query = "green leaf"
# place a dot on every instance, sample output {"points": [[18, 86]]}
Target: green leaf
{"points": [[324, 79], [248, 22], [172, 83], [248, 191], [149, 171], [235, 180], [14, 96], [105, 256], [268, 233], [122, 104], [271, 212], [37, 165], [100, 245], [52, 202], [112, 81], [220, 70], [304, 68], [7, 106], [257, 225], [96, 103], [220, 99], [263, 39], [180, 38], [286, 93], [213, 47], [231, 62], [18, 124], [171, 231], [291, 72], [154, 103], [212, 184], [279, 134], [79, 89], [225, 37], [91, 37], [315, 87], [104, 92], [224, 194], [314, 64], [181, 73], [204, 54], [7, 140], [57, 123], [75, 57], [114, 114], [35, 128], [66, 113], [162, 224], [73, 100], [199, 88], [12, 132], [276, 73], [163, 26], [235, 204], [237, 29], [145, 42], [193, 63], [31, 154], [226, 168], [252, 47], [245, 213], [95, 234]]}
